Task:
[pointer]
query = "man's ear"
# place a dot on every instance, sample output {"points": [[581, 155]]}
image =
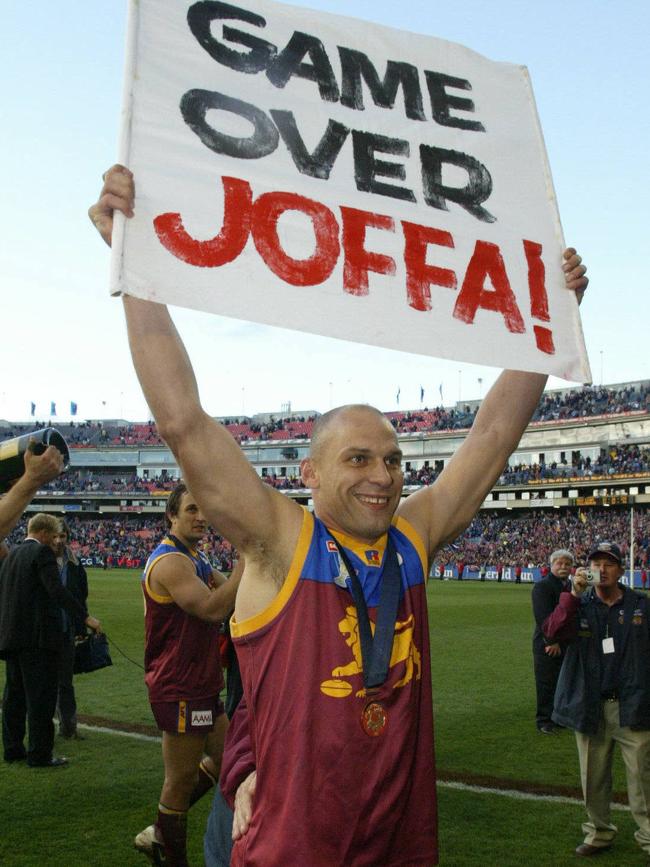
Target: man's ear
{"points": [[309, 473]]}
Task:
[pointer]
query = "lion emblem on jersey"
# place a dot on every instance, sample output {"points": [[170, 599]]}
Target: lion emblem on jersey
{"points": [[404, 651]]}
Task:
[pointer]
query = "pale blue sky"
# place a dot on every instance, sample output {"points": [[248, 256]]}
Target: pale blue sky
{"points": [[62, 337]]}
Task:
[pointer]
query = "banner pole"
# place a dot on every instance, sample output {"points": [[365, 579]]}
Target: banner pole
{"points": [[124, 142]]}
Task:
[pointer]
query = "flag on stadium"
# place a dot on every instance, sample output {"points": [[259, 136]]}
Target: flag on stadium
{"points": [[421, 393], [399, 391], [52, 408], [441, 398], [33, 405], [73, 408]]}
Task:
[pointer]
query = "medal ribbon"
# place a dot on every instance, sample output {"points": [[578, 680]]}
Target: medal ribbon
{"points": [[376, 652]]}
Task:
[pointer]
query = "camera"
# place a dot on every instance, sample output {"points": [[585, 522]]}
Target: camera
{"points": [[12, 453], [593, 577]]}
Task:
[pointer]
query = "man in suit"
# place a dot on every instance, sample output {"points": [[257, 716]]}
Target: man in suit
{"points": [[74, 578], [548, 655], [31, 642]]}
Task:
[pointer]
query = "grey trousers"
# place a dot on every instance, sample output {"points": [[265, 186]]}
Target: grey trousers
{"points": [[595, 753]]}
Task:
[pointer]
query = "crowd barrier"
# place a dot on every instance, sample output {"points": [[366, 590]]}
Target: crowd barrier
{"points": [[113, 562], [512, 574]]}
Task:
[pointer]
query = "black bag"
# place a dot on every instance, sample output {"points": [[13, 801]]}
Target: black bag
{"points": [[91, 652]]}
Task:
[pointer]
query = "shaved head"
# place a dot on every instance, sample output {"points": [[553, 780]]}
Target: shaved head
{"points": [[354, 471], [327, 422]]}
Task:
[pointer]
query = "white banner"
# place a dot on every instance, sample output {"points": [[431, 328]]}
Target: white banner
{"points": [[333, 176]]}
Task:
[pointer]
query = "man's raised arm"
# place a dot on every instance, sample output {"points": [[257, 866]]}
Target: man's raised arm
{"points": [[249, 513], [441, 512]]}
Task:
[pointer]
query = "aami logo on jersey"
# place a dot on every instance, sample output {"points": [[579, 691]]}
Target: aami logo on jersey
{"points": [[373, 558], [201, 717]]}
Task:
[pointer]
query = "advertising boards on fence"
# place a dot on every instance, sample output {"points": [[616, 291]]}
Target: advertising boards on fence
{"points": [[337, 177]]}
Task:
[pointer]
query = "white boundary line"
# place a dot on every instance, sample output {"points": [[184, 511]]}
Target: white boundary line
{"points": [[443, 784], [104, 730], [516, 795]]}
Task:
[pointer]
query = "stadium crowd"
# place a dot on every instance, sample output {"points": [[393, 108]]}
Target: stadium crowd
{"points": [[112, 482], [491, 539], [127, 542], [526, 540], [617, 460], [585, 402]]}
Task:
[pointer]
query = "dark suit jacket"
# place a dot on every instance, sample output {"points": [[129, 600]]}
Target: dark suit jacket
{"points": [[545, 597], [77, 584], [31, 596]]}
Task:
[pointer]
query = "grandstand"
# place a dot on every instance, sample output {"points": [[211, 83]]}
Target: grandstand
{"points": [[581, 472]]}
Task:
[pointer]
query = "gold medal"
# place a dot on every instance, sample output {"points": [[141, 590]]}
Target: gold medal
{"points": [[374, 719]]}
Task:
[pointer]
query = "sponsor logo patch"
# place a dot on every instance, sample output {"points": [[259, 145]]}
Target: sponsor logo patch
{"points": [[201, 717]]}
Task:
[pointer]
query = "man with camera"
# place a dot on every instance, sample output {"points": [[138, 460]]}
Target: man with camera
{"points": [[604, 690]]}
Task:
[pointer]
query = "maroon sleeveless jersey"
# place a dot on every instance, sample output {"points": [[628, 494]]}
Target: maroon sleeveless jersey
{"points": [[345, 778], [181, 652]]}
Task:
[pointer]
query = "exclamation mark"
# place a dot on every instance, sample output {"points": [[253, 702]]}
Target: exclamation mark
{"points": [[538, 297]]}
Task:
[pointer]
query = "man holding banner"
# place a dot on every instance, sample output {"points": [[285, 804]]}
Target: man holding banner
{"points": [[333, 176], [330, 621]]}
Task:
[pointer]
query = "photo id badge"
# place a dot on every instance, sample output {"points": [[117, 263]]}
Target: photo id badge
{"points": [[608, 645]]}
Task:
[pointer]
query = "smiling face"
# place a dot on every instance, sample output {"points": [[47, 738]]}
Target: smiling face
{"points": [[355, 473], [188, 524]]}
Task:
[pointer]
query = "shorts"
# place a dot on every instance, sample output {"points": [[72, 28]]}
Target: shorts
{"points": [[192, 717]]}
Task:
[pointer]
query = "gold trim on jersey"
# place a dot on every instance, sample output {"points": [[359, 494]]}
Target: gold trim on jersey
{"points": [[360, 548], [409, 531], [157, 597], [169, 541], [182, 717], [251, 624]]}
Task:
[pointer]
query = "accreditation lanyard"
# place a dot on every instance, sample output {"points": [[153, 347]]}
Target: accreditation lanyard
{"points": [[376, 651]]}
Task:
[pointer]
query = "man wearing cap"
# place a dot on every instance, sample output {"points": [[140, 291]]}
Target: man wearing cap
{"points": [[604, 690], [548, 655]]}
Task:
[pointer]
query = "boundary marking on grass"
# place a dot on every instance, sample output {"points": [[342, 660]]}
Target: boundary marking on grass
{"points": [[518, 795], [514, 794], [105, 730]]}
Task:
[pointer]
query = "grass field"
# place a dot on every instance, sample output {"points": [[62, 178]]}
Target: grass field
{"points": [[88, 813]]}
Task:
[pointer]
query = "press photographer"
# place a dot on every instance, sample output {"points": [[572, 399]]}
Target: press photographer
{"points": [[604, 690]]}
